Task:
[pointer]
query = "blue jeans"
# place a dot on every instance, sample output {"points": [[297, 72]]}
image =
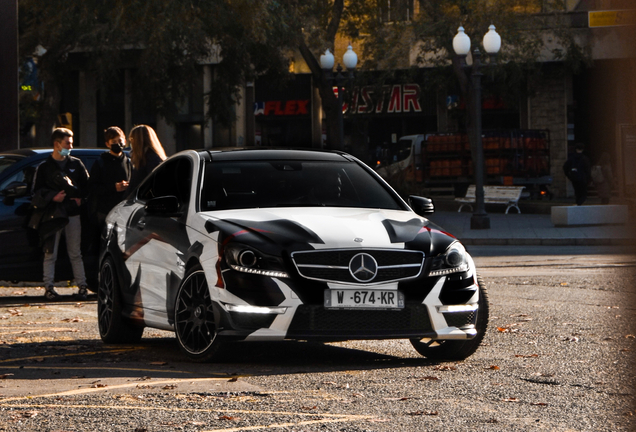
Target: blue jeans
{"points": [[73, 235]]}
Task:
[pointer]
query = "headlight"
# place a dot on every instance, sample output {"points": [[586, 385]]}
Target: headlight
{"points": [[249, 260], [451, 261]]}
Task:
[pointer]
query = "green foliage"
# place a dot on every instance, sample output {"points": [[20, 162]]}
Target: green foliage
{"points": [[166, 41]]}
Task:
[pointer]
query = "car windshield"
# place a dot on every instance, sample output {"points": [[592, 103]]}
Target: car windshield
{"points": [[284, 183], [6, 162]]}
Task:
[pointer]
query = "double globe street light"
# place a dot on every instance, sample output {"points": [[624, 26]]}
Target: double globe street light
{"points": [[350, 60], [461, 46]]}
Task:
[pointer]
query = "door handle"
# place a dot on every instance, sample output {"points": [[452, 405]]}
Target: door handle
{"points": [[141, 224]]}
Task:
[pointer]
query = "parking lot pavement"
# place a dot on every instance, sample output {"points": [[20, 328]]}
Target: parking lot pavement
{"points": [[558, 347]]}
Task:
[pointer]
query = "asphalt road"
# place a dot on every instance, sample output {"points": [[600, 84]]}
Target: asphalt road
{"points": [[558, 356]]}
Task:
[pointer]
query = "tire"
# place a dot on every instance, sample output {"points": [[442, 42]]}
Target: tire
{"points": [[194, 318], [114, 328], [457, 349]]}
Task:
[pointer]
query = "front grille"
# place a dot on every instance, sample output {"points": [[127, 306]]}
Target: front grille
{"points": [[333, 265], [318, 321], [460, 319]]}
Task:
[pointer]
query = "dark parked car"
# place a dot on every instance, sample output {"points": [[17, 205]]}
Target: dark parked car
{"points": [[250, 245], [20, 254]]}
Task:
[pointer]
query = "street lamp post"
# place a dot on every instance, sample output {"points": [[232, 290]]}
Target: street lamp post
{"points": [[350, 60], [461, 45]]}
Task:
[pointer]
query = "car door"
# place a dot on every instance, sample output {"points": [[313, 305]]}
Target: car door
{"points": [[21, 255], [159, 241]]}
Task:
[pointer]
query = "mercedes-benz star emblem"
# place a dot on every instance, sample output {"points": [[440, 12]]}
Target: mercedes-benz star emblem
{"points": [[363, 267]]}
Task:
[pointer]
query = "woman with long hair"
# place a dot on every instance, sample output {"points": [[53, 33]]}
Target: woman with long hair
{"points": [[147, 153]]}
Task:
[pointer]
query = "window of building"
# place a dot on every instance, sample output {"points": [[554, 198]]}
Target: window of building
{"points": [[396, 10]]}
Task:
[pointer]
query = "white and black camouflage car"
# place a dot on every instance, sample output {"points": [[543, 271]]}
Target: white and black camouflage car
{"points": [[261, 245]]}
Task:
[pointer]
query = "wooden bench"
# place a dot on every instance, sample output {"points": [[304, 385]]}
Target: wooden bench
{"points": [[507, 195]]}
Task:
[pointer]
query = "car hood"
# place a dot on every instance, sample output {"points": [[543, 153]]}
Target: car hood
{"points": [[328, 228]]}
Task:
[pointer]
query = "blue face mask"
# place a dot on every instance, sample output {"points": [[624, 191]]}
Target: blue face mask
{"points": [[65, 152]]}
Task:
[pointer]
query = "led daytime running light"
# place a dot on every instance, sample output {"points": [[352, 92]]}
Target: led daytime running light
{"points": [[270, 273], [255, 309], [443, 272]]}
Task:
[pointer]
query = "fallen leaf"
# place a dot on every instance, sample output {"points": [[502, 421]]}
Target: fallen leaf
{"points": [[233, 379], [73, 320], [538, 404], [226, 417], [99, 386], [494, 367], [564, 284], [445, 368], [5, 376], [526, 355], [419, 413], [511, 400], [169, 387], [25, 414], [492, 420], [630, 336], [308, 408], [429, 378]]}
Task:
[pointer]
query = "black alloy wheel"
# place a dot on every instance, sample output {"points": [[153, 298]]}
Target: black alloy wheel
{"points": [[457, 349], [194, 318], [113, 326]]}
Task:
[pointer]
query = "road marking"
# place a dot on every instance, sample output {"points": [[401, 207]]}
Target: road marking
{"points": [[119, 350], [79, 367], [325, 417]]}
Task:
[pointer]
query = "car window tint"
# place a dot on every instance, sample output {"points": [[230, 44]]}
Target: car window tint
{"points": [[171, 178], [24, 175], [6, 162], [247, 184]]}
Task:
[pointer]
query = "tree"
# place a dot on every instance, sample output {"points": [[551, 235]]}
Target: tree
{"points": [[166, 41], [532, 31]]}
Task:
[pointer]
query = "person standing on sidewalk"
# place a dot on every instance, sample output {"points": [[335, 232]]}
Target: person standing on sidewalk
{"points": [[147, 153], [59, 188], [110, 175], [578, 170]]}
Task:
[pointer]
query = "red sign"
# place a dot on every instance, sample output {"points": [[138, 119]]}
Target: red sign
{"points": [[281, 108], [394, 99]]}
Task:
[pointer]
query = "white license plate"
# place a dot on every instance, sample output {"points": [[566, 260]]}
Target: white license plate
{"points": [[363, 299]]}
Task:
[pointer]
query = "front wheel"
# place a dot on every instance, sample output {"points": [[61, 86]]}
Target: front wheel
{"points": [[194, 318], [113, 326], [457, 349]]}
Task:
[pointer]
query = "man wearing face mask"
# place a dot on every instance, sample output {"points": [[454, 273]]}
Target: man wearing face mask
{"points": [[59, 188], [109, 176]]}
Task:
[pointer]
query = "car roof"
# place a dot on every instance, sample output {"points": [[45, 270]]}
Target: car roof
{"points": [[238, 154], [25, 152]]}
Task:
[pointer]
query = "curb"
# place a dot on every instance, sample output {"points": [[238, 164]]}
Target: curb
{"points": [[547, 241]]}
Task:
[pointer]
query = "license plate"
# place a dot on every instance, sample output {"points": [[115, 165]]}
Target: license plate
{"points": [[363, 299]]}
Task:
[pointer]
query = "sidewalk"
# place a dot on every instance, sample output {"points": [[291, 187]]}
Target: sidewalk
{"points": [[529, 229]]}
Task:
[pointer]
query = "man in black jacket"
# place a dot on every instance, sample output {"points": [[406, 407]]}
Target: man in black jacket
{"points": [[59, 188], [579, 171], [110, 175]]}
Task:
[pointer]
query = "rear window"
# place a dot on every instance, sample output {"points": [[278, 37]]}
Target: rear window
{"points": [[260, 184]]}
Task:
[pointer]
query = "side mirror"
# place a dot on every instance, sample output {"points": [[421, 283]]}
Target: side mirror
{"points": [[421, 205], [15, 190], [167, 206]]}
